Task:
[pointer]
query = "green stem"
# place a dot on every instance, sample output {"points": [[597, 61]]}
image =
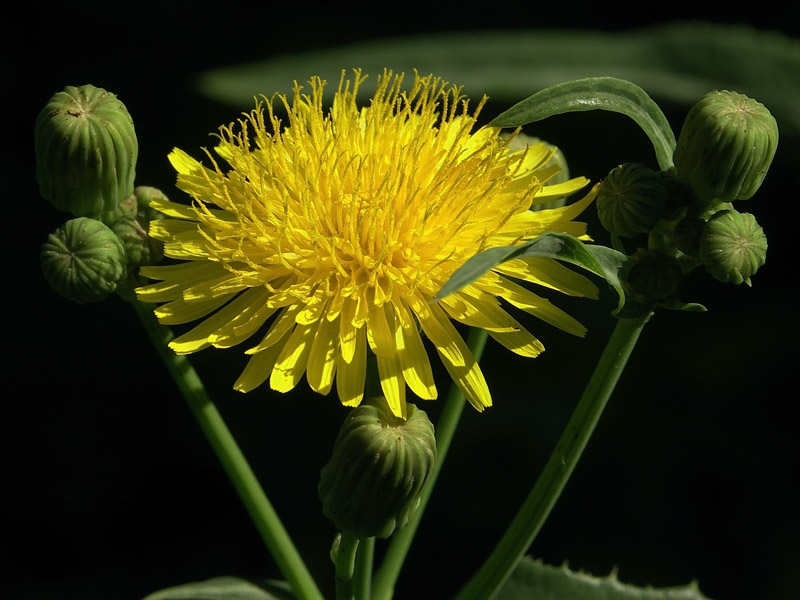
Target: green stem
{"points": [[345, 565], [386, 576], [362, 577], [485, 583], [233, 461]]}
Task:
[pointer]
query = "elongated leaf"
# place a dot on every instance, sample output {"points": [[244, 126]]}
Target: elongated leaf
{"points": [[599, 260], [533, 579], [597, 93], [226, 588], [678, 62]]}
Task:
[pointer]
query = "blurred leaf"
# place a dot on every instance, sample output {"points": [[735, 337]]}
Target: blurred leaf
{"points": [[597, 93], [678, 62], [600, 260], [533, 579], [226, 588]]}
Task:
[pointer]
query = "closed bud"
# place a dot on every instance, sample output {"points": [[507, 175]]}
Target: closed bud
{"points": [[631, 200], [554, 167], [133, 230], [140, 249], [655, 275], [145, 194], [687, 235], [126, 208], [86, 151], [733, 246], [380, 462], [725, 147], [83, 260], [679, 195]]}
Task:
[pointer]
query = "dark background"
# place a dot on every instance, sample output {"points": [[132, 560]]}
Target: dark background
{"points": [[109, 490]]}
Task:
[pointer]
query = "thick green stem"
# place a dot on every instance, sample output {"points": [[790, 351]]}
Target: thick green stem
{"points": [[233, 461], [485, 583], [386, 576], [362, 576], [345, 559]]}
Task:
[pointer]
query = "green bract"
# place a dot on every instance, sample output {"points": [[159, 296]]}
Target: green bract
{"points": [[83, 260], [378, 467], [726, 146], [86, 151], [733, 246], [631, 200]]}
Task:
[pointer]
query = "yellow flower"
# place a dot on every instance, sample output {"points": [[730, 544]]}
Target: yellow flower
{"points": [[340, 227]]}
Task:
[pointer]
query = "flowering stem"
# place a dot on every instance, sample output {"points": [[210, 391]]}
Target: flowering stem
{"points": [[386, 576], [518, 537], [345, 565], [233, 461], [362, 577]]}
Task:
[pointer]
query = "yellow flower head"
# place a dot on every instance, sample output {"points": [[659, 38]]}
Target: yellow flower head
{"points": [[339, 228]]}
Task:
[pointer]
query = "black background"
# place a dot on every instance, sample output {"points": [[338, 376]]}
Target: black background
{"points": [[108, 489]]}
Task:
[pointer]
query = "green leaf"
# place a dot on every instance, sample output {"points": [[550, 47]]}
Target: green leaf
{"points": [[599, 260], [533, 579], [597, 93], [226, 588], [677, 62], [683, 306]]}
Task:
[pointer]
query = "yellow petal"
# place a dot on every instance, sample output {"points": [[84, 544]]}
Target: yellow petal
{"points": [[347, 330], [259, 368], [413, 357], [529, 302], [475, 310], [455, 354], [393, 384], [198, 337], [246, 323], [180, 311], [283, 323], [380, 333], [322, 359], [176, 278], [350, 376], [292, 360], [549, 273]]}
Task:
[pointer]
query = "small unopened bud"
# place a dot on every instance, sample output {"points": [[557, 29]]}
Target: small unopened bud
{"points": [[679, 195], [687, 235], [655, 275], [126, 208], [86, 151], [379, 464], [726, 146], [140, 249], [733, 246], [133, 230], [145, 194], [631, 200], [83, 260]]}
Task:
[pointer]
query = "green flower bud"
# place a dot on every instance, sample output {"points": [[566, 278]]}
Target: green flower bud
{"points": [[679, 195], [83, 260], [733, 246], [145, 195], [726, 146], [126, 208], [86, 151], [133, 230], [631, 200], [556, 165], [687, 235], [379, 464], [654, 276], [140, 248]]}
